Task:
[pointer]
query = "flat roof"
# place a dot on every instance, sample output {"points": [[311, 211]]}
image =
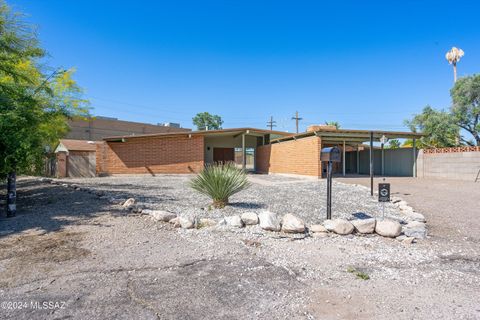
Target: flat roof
{"points": [[202, 133], [351, 135]]}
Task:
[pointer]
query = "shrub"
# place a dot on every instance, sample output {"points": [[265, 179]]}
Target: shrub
{"points": [[220, 182]]}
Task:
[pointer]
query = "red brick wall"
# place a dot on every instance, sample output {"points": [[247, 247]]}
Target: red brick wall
{"points": [[176, 154], [300, 156]]}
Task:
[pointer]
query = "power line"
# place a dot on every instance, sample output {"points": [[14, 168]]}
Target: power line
{"points": [[271, 123], [296, 118]]}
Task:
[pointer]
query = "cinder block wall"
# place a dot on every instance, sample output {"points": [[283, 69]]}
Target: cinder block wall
{"points": [[150, 155], [291, 157], [452, 165]]}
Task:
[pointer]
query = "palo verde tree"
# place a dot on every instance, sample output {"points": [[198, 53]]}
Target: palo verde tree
{"points": [[207, 121], [35, 103], [438, 126], [466, 106]]}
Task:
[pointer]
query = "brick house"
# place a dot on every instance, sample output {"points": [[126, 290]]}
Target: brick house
{"points": [[256, 150]]}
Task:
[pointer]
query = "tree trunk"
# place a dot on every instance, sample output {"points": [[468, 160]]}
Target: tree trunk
{"points": [[11, 194], [454, 72]]}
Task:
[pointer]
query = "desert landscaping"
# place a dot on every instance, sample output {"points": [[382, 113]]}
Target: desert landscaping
{"points": [[81, 246]]}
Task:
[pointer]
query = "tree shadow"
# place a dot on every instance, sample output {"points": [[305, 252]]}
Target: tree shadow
{"points": [[247, 205]]}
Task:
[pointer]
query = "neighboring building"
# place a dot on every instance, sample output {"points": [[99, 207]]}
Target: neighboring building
{"points": [[76, 158], [97, 128], [256, 150]]}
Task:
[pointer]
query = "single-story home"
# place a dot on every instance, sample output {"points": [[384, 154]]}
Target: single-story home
{"points": [[256, 150], [76, 158]]}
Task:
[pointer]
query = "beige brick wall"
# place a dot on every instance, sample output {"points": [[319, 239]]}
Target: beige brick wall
{"points": [[143, 155], [291, 157]]}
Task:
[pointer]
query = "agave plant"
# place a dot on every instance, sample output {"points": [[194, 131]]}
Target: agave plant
{"points": [[220, 182]]}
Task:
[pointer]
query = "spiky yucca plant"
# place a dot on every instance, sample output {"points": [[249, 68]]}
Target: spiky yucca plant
{"points": [[220, 182]]}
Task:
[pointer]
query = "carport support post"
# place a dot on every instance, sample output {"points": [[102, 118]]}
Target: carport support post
{"points": [[414, 145], [244, 153], [343, 158], [371, 163], [383, 161], [358, 160]]}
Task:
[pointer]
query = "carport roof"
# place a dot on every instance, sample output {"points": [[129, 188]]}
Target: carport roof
{"points": [[233, 131], [349, 136]]}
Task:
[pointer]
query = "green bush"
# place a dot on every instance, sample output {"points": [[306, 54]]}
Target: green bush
{"points": [[220, 182]]}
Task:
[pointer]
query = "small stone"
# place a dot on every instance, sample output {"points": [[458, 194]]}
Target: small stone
{"points": [[415, 229], [388, 228], [339, 226], [364, 225], [185, 223], [175, 222], [234, 221], [415, 216], [206, 222], [317, 228], [160, 215], [128, 202], [320, 234], [269, 221], [292, 224], [408, 240], [249, 218]]}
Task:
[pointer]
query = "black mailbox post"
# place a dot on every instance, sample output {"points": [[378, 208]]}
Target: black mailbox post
{"points": [[330, 155]]}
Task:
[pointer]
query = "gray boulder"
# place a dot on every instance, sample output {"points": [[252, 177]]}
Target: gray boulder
{"points": [[250, 218], [415, 229], [364, 225], [269, 221], [292, 224], [388, 228], [415, 216], [339, 226]]}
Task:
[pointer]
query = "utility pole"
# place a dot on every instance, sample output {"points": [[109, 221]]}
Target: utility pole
{"points": [[271, 123], [296, 118]]}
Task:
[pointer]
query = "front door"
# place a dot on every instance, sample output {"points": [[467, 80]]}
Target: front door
{"points": [[223, 155]]}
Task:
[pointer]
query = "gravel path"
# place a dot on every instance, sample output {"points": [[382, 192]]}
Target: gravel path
{"points": [[303, 197], [103, 263]]}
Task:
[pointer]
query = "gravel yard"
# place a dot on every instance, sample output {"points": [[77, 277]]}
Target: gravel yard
{"points": [[305, 198], [102, 262]]}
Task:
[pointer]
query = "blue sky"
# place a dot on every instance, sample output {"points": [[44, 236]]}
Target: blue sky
{"points": [[367, 65]]}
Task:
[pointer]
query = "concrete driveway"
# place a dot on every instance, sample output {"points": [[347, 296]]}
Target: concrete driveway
{"points": [[451, 207]]}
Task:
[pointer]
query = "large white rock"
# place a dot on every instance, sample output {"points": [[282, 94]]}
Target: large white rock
{"points": [[269, 221], [206, 222], [364, 225], [317, 228], [234, 221], [160, 215], [249, 218], [388, 228], [292, 224], [415, 229], [185, 223], [339, 226]]}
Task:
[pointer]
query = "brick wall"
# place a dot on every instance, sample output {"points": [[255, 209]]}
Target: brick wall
{"points": [[292, 157], [175, 154]]}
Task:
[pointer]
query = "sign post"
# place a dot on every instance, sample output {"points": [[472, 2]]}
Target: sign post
{"points": [[330, 155], [383, 195]]}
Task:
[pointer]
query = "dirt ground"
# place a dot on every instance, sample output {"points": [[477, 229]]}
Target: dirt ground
{"points": [[71, 254]]}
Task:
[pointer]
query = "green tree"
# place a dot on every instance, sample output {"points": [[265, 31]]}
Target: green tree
{"points": [[394, 144], [333, 123], [466, 106], [207, 121], [438, 126], [34, 103]]}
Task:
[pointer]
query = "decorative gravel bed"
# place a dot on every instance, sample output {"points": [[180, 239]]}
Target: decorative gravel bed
{"points": [[302, 197]]}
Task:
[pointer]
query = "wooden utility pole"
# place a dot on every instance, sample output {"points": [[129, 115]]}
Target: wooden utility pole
{"points": [[271, 123], [296, 118]]}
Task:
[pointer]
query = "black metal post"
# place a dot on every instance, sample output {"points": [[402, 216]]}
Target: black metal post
{"points": [[371, 163], [11, 194], [329, 190]]}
